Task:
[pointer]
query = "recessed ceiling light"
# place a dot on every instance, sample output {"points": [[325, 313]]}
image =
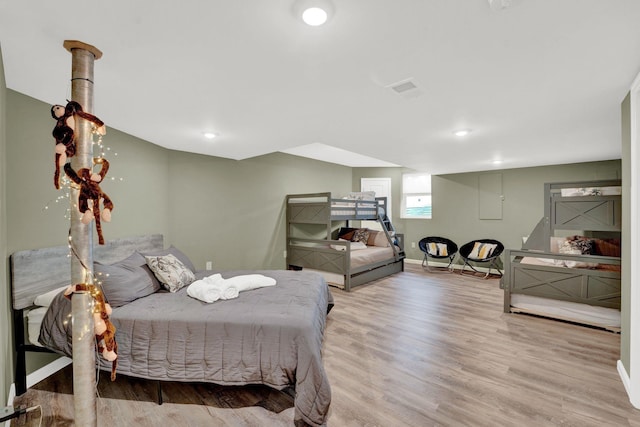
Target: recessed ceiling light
{"points": [[497, 162], [462, 132], [313, 12], [314, 16], [210, 135]]}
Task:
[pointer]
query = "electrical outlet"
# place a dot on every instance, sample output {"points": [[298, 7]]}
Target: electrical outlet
{"points": [[209, 265], [413, 245], [284, 254]]}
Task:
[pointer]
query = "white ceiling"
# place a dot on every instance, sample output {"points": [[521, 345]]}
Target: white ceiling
{"points": [[539, 82]]}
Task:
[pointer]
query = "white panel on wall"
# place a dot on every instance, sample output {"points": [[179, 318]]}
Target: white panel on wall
{"points": [[490, 196]]}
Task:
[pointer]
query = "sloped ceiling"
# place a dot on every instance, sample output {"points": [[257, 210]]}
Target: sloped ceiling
{"points": [[539, 82]]}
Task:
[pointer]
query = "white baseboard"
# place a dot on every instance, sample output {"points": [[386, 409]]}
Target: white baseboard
{"points": [[624, 377], [37, 376], [444, 264], [626, 381]]}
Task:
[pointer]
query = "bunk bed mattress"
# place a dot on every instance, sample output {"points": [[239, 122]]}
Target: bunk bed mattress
{"points": [[269, 336], [371, 255], [577, 264]]}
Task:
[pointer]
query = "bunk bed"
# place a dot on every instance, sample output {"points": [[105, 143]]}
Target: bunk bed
{"points": [[569, 267], [319, 237]]}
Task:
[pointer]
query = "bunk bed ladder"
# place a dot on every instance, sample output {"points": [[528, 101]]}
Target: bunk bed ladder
{"points": [[392, 236]]}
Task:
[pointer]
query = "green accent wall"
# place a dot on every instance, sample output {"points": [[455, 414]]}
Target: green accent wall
{"points": [[233, 212], [455, 202], [625, 341], [138, 191]]}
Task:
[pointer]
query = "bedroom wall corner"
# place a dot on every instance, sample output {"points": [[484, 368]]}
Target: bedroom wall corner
{"points": [[232, 212], [6, 347]]}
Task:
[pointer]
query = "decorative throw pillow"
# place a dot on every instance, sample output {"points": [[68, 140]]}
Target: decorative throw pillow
{"points": [[126, 280], [346, 233], [584, 245], [437, 249], [175, 252], [170, 271], [361, 235], [381, 240], [432, 249], [577, 246], [482, 250], [442, 249], [372, 237]]}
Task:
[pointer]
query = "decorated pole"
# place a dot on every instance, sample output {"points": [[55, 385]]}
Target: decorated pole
{"points": [[81, 241]]}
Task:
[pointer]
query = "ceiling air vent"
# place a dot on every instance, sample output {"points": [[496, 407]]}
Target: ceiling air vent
{"points": [[403, 86]]}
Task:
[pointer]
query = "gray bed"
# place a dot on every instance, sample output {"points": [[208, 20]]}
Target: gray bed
{"points": [[270, 336], [313, 224], [538, 279]]}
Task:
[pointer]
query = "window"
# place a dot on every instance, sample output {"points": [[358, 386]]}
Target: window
{"points": [[416, 196]]}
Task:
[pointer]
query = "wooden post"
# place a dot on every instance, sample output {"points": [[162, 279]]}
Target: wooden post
{"points": [[81, 239]]}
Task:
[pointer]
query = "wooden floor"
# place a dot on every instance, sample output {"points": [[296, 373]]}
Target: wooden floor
{"points": [[414, 349]]}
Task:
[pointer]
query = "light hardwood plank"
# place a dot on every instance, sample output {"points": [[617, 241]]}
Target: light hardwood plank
{"points": [[414, 349]]}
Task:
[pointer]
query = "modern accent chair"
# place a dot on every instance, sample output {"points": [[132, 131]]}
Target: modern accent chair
{"points": [[437, 248], [481, 251]]}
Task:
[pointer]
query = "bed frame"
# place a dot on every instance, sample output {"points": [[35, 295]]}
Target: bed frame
{"points": [[34, 272], [321, 215], [595, 213]]}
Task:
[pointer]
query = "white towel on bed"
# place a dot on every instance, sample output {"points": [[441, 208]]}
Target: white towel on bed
{"points": [[213, 288]]}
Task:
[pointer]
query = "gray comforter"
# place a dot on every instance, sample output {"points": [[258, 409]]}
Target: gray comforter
{"points": [[269, 336]]}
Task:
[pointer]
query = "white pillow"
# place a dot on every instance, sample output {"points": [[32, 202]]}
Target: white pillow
{"points": [[170, 271], [44, 300]]}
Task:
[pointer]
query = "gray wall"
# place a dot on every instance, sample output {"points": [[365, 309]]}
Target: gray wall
{"points": [[455, 202], [141, 202], [232, 212], [625, 341], [6, 359]]}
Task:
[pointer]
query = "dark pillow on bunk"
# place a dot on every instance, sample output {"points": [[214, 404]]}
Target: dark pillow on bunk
{"points": [[361, 235], [126, 280], [176, 253], [346, 233], [607, 247]]}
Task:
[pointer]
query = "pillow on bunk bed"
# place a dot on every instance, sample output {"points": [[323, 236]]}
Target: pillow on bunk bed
{"points": [[607, 247], [578, 245], [346, 233], [482, 250], [361, 195], [361, 235], [377, 238]]}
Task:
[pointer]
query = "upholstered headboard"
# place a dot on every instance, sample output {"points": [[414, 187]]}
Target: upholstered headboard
{"points": [[34, 272]]}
